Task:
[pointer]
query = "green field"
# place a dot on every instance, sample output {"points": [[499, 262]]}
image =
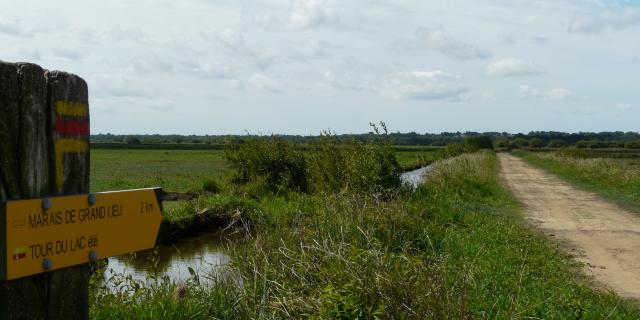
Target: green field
{"points": [[185, 170], [173, 170]]}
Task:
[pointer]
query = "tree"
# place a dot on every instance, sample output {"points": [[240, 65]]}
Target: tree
{"points": [[557, 144], [582, 144], [536, 143], [479, 142], [133, 140], [520, 143]]}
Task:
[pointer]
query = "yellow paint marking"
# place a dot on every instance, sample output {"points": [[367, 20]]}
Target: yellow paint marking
{"points": [[75, 109], [66, 146]]}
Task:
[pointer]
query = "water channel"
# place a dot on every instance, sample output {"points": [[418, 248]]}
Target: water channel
{"points": [[204, 254]]}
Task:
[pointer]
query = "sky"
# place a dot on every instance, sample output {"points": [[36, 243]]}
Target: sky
{"points": [[302, 66]]}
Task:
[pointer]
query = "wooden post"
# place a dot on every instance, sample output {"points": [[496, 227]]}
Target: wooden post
{"points": [[42, 153]]}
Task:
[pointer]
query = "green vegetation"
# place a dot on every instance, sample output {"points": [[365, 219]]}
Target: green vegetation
{"points": [[456, 248], [174, 170], [617, 179]]}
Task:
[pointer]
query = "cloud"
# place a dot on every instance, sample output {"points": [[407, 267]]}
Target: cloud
{"points": [[231, 39], [456, 49], [624, 106], [551, 94], [509, 67], [13, 28], [424, 85], [263, 82], [310, 13], [611, 19]]}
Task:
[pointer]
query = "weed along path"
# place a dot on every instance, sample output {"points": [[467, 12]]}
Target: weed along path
{"points": [[605, 236]]}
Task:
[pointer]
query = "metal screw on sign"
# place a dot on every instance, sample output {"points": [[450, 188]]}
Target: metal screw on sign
{"points": [[92, 199], [46, 204], [47, 264], [93, 256]]}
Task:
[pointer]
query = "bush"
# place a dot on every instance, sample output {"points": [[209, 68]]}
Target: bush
{"points": [[520, 143], [582, 144], [536, 143], [632, 144], [478, 142], [557, 144], [272, 159], [133, 140], [502, 143], [331, 164], [336, 165]]}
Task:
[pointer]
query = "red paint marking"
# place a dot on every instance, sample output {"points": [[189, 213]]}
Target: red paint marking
{"points": [[19, 256], [72, 127]]}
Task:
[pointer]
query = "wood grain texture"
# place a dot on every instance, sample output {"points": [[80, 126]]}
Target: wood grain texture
{"points": [[33, 150], [10, 115], [23, 298], [28, 163], [69, 287]]}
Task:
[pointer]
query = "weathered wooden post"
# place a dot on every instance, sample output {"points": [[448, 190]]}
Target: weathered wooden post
{"points": [[50, 226], [44, 136]]}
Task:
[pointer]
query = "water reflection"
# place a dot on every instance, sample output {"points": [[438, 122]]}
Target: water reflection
{"points": [[204, 254], [415, 177]]}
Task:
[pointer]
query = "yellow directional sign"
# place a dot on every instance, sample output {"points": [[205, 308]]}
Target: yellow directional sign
{"points": [[58, 232]]}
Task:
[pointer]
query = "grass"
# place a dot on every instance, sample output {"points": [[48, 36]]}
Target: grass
{"points": [[617, 179], [173, 170], [456, 248]]}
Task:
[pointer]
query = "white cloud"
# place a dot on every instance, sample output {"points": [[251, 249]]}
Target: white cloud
{"points": [[263, 82], [14, 28], [424, 85], [231, 39], [611, 19], [440, 41], [508, 67], [310, 13], [551, 94], [623, 106]]}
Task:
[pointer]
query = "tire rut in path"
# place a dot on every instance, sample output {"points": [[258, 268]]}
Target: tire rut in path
{"points": [[605, 236]]}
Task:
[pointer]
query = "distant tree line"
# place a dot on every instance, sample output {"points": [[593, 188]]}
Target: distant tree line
{"points": [[535, 139]]}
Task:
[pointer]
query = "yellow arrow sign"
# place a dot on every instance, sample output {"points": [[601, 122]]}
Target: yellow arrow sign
{"points": [[58, 232]]}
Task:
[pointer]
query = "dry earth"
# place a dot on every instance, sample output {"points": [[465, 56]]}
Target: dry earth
{"points": [[605, 236]]}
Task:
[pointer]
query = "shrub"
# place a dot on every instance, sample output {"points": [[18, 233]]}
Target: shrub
{"points": [[502, 143], [536, 143], [478, 142], [520, 143], [632, 144], [336, 164], [557, 144], [582, 144], [272, 159], [133, 140]]}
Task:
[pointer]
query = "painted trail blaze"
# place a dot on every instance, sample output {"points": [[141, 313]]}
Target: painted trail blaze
{"points": [[72, 128]]}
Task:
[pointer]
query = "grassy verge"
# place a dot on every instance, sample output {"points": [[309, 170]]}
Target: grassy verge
{"points": [[456, 248], [615, 179]]}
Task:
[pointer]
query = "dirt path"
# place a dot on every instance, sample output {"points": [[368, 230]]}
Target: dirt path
{"points": [[604, 235]]}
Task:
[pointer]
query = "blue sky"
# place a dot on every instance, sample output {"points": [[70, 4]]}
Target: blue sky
{"points": [[300, 66]]}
